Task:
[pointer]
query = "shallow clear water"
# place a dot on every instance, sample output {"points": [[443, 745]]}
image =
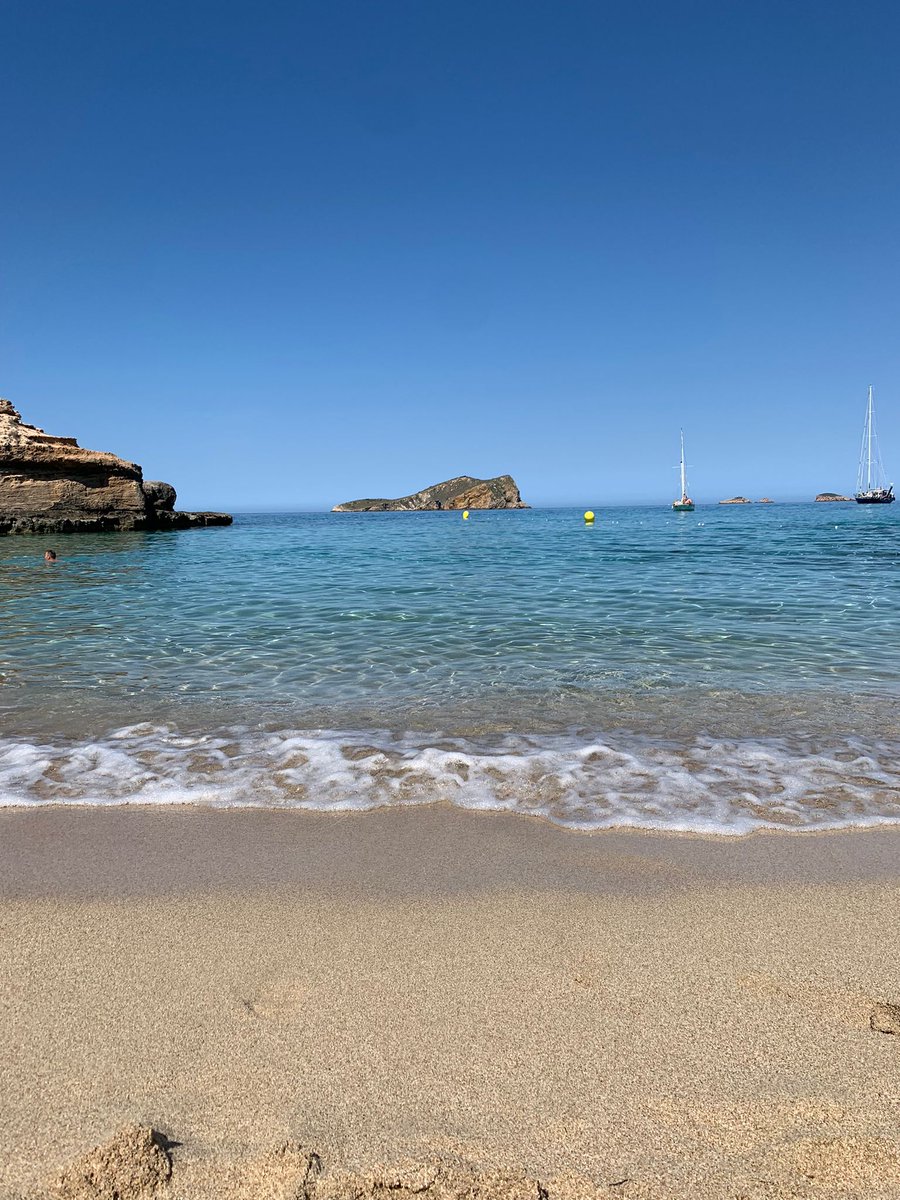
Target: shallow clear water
{"points": [[720, 669]]}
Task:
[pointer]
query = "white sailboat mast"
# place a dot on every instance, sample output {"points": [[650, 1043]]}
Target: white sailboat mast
{"points": [[869, 437], [683, 484]]}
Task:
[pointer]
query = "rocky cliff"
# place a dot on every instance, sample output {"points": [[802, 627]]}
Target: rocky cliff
{"points": [[51, 485], [462, 492]]}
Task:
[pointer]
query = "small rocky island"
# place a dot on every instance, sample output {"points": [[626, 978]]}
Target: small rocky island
{"points": [[51, 485], [833, 498], [459, 493], [737, 500]]}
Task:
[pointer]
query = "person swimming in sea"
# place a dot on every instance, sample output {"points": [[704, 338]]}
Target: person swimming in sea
{"points": [[49, 556]]}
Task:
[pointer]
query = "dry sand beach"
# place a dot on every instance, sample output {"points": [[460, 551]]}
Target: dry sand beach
{"points": [[425, 997]]}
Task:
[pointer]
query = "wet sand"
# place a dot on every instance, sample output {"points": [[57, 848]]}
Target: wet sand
{"points": [[624, 1014]]}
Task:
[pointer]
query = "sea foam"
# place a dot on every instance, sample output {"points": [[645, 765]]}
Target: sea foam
{"points": [[703, 785]]}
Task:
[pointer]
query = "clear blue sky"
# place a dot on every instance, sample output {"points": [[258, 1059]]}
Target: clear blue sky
{"points": [[285, 254]]}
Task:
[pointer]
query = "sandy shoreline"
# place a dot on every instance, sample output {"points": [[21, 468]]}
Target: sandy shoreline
{"points": [[687, 1015]]}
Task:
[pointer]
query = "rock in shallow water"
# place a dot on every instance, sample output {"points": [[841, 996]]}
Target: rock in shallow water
{"points": [[52, 485]]}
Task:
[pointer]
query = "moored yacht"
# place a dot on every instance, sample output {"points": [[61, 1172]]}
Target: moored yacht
{"points": [[685, 504], [871, 483]]}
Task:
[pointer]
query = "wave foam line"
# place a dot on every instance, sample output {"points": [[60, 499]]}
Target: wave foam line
{"points": [[702, 786]]}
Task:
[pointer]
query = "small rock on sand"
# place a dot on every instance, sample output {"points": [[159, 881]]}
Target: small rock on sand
{"points": [[885, 1018]]}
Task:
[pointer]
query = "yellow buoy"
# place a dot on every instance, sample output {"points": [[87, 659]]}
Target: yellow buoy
{"points": [[589, 516], [465, 514]]}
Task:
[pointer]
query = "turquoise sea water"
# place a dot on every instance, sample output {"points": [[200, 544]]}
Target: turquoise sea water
{"points": [[716, 670]]}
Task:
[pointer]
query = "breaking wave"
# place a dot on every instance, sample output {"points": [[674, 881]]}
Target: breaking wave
{"points": [[704, 785]]}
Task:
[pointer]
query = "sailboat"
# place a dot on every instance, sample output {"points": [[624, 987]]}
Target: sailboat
{"points": [[685, 504], [870, 481]]}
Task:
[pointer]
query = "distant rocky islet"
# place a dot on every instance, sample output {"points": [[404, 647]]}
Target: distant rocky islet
{"points": [[459, 493], [51, 485]]}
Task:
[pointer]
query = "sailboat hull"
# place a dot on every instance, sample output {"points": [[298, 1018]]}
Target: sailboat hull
{"points": [[876, 498], [682, 507]]}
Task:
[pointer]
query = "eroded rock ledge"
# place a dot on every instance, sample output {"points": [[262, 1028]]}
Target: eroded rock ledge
{"points": [[459, 493], [51, 485]]}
